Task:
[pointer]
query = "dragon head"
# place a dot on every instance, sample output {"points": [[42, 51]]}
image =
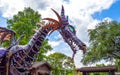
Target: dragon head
{"points": [[66, 30]]}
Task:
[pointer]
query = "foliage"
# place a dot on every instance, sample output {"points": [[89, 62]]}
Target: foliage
{"points": [[23, 23], [104, 42], [44, 49], [117, 62], [61, 63]]}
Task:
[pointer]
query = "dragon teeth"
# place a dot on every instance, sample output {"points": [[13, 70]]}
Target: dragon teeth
{"points": [[77, 48]]}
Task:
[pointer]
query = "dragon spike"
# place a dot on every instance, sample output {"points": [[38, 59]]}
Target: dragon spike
{"points": [[58, 16], [51, 20], [63, 17]]}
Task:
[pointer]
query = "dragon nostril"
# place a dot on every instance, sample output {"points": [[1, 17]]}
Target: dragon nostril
{"points": [[84, 45]]}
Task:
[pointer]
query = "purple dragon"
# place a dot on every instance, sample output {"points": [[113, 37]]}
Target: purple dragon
{"points": [[17, 59]]}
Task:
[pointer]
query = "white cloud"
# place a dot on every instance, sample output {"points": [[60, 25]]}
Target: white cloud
{"points": [[11, 7], [49, 52], [93, 24], [78, 58], [107, 19], [54, 43], [80, 12]]}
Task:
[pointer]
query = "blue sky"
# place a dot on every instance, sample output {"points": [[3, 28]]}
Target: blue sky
{"points": [[113, 12], [83, 15], [3, 21]]}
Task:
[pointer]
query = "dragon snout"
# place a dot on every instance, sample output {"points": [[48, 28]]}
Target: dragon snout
{"points": [[83, 47]]}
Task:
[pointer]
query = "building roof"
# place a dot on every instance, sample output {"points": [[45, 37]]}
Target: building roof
{"points": [[97, 69], [40, 64]]}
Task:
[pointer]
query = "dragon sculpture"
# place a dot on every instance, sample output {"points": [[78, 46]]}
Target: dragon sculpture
{"points": [[17, 59]]}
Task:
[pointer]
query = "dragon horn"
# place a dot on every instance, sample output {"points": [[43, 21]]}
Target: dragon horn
{"points": [[58, 16]]}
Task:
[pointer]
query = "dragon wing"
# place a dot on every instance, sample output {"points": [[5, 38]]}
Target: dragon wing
{"points": [[6, 34]]}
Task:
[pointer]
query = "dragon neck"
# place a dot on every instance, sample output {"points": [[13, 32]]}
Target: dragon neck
{"points": [[36, 42]]}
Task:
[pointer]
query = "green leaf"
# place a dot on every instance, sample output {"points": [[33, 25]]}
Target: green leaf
{"points": [[102, 42]]}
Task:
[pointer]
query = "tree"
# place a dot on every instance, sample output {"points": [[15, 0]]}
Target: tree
{"points": [[24, 23], [44, 49], [104, 42], [60, 63]]}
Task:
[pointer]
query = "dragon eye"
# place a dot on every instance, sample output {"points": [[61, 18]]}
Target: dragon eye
{"points": [[72, 29]]}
